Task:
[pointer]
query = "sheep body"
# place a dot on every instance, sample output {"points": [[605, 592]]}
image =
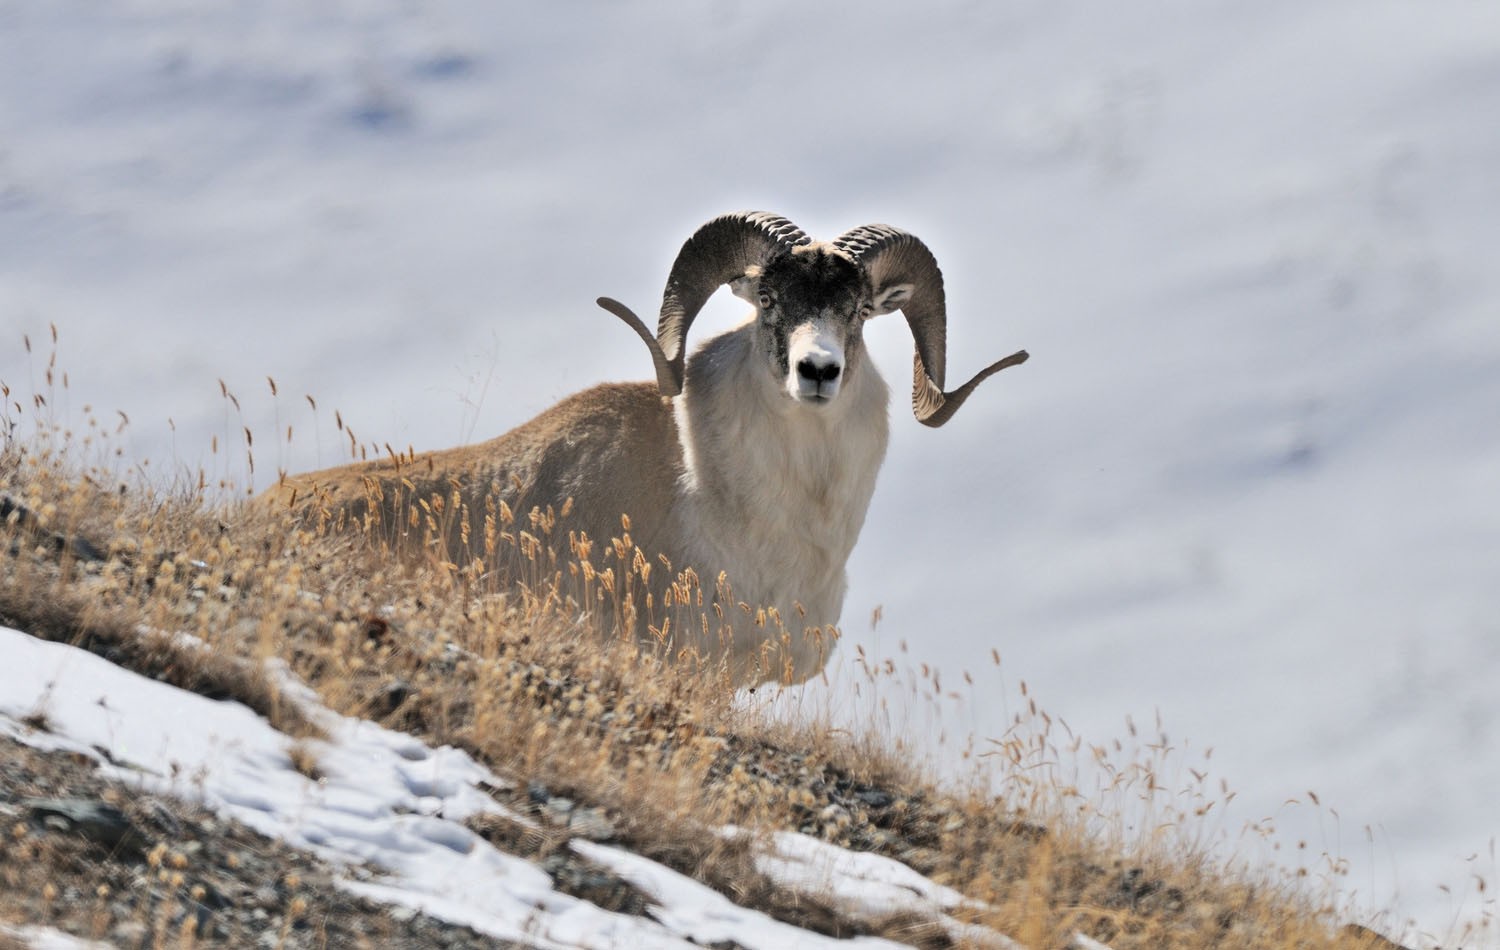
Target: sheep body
{"points": [[752, 463], [773, 499]]}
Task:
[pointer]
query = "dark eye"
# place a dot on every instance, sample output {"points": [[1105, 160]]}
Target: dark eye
{"points": [[766, 303]]}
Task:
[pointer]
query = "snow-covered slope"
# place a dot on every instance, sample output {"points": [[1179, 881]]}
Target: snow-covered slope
{"points": [[1247, 480], [386, 801]]}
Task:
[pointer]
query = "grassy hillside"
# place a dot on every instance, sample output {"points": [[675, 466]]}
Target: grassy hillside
{"points": [[96, 554]]}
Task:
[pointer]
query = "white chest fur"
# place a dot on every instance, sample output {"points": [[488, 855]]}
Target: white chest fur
{"points": [[780, 489]]}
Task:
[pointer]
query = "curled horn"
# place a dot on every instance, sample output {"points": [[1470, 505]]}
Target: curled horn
{"points": [[892, 256], [720, 251]]}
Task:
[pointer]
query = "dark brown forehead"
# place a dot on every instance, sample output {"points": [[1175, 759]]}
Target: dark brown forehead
{"points": [[815, 277]]}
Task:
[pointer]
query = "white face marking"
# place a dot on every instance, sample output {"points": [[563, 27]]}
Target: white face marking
{"points": [[815, 362], [810, 305]]}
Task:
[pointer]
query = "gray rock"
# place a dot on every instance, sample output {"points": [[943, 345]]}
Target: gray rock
{"points": [[591, 824], [104, 825]]}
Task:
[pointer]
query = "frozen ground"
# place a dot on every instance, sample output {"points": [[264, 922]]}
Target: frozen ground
{"points": [[1247, 480]]}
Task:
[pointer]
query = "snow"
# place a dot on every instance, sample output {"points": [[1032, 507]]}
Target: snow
{"points": [[387, 800], [1246, 481], [47, 938], [702, 914], [868, 884]]}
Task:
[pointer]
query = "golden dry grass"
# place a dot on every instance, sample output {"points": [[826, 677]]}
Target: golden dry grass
{"points": [[545, 695]]}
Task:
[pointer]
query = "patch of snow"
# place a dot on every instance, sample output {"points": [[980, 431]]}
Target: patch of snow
{"points": [[703, 914], [47, 938], [868, 885]]}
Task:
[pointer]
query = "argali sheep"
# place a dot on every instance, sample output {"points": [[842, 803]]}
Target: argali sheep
{"points": [[751, 462]]}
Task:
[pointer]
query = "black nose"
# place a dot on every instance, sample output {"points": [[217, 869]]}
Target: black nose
{"points": [[814, 373]]}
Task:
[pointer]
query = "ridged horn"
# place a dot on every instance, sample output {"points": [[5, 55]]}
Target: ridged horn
{"points": [[893, 256], [720, 251]]}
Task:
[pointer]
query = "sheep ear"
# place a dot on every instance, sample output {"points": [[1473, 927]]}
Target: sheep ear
{"points": [[891, 297], [747, 287]]}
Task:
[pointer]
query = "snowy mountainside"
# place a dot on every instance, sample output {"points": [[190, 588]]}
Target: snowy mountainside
{"points": [[1246, 480]]}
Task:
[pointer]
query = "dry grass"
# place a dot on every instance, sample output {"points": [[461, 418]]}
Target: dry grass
{"points": [[539, 689]]}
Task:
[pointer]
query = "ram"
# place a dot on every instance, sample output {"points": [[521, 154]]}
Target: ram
{"points": [[749, 464]]}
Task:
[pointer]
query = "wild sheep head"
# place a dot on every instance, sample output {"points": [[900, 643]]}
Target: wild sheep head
{"points": [[811, 299]]}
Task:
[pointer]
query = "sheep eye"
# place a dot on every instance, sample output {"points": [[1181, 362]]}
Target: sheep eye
{"points": [[766, 302]]}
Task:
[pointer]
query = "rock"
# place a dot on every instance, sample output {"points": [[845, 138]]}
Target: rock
{"points": [[130, 933], [391, 697], [104, 825], [559, 809], [591, 824], [874, 797]]}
